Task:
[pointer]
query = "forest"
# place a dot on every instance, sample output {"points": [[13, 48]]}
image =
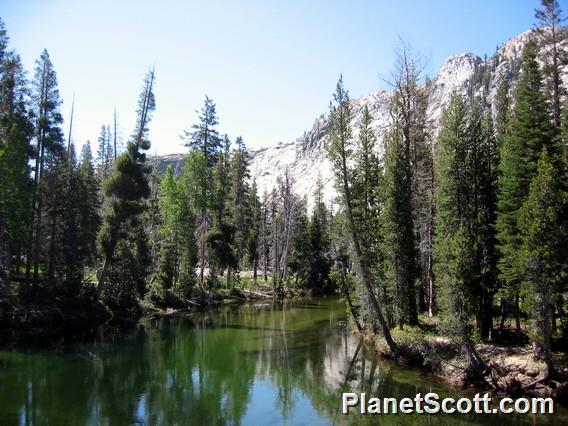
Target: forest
{"points": [[464, 231]]}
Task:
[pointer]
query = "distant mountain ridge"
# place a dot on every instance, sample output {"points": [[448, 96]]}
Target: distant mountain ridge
{"points": [[305, 158]]}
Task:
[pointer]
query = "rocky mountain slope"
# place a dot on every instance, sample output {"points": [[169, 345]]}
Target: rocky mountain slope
{"points": [[305, 158]]}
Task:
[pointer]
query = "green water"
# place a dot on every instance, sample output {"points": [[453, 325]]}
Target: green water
{"points": [[260, 364]]}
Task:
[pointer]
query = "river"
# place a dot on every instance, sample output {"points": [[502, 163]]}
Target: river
{"points": [[258, 364]]}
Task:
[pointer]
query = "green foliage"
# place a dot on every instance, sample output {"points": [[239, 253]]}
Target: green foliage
{"points": [[122, 237], [15, 153], [300, 257], [205, 137], [543, 248], [530, 131], [398, 246], [453, 246], [318, 277], [220, 242]]}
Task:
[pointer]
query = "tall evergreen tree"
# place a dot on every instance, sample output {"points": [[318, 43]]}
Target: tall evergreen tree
{"points": [[552, 35], [543, 252], [320, 246], [409, 105], [240, 198], [204, 138], [254, 234], [481, 173], [454, 246], [340, 152], [104, 153], [397, 229], [126, 190], [89, 206], [301, 253], [530, 130], [16, 131], [48, 150]]}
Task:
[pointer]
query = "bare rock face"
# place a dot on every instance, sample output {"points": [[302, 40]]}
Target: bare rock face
{"points": [[306, 157]]}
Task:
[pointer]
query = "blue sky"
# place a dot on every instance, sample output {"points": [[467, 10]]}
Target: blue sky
{"points": [[270, 66]]}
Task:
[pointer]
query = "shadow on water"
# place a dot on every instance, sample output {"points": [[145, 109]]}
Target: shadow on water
{"points": [[279, 363]]}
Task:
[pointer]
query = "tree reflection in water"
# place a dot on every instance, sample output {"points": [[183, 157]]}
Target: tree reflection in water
{"points": [[277, 363]]}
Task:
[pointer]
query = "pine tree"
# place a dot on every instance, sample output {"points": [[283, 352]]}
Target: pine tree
{"points": [[48, 150], [340, 153], [89, 206], [205, 136], [104, 153], [320, 246], [409, 106], [301, 253], [205, 139], [71, 263], [454, 245], [543, 252], [397, 229], [366, 183], [220, 237], [167, 273], [239, 197], [503, 110], [481, 173], [126, 190], [16, 131], [192, 204], [530, 130], [254, 234], [552, 36]]}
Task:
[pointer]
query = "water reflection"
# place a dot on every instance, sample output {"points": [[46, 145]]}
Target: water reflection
{"points": [[260, 364]]}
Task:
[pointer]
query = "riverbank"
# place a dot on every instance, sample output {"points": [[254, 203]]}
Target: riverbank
{"points": [[511, 370], [221, 297], [40, 321]]}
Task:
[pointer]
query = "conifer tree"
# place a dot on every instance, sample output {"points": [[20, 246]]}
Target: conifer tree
{"points": [[71, 266], [397, 229], [340, 152], [239, 197], [167, 273], [126, 189], [543, 252], [503, 110], [205, 139], [366, 183], [481, 173], [104, 153], [301, 253], [530, 130], [89, 206], [254, 234], [454, 246], [48, 150], [320, 246], [192, 204], [16, 131], [551, 36], [409, 106]]}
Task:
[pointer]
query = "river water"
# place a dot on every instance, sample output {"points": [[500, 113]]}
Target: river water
{"points": [[259, 364]]}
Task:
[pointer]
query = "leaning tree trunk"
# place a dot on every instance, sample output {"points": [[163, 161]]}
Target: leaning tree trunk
{"points": [[366, 275], [102, 277]]}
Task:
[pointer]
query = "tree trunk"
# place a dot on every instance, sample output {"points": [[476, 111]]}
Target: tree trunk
{"points": [[367, 280], [503, 316], [518, 319], [352, 308], [102, 277], [202, 251]]}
